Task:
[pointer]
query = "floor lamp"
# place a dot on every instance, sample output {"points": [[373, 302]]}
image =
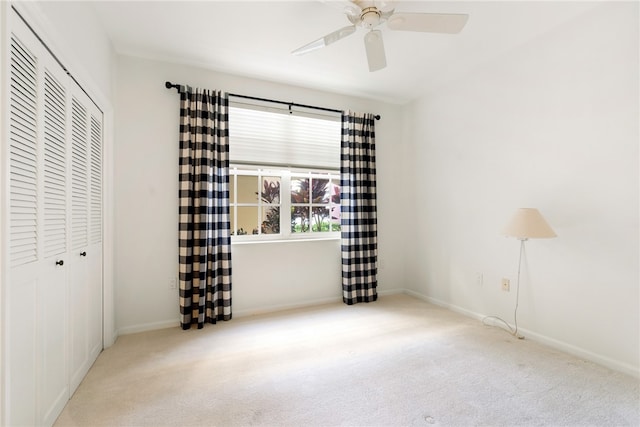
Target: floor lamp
{"points": [[526, 223]]}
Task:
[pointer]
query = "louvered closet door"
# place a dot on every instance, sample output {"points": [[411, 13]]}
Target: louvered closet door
{"points": [[95, 234], [52, 293], [85, 284], [54, 290], [21, 348], [37, 387]]}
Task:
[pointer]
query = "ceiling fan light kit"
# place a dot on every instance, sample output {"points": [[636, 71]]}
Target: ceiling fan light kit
{"points": [[371, 14]]}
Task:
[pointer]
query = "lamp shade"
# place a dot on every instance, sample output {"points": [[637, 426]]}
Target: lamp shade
{"points": [[528, 223]]}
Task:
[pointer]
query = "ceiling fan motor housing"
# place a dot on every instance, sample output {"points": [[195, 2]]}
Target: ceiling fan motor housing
{"points": [[370, 17]]}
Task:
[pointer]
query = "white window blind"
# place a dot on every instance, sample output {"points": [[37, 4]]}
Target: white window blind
{"points": [[273, 135]]}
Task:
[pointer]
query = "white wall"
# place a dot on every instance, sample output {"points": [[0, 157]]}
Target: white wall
{"points": [[4, 172], [552, 125], [266, 276]]}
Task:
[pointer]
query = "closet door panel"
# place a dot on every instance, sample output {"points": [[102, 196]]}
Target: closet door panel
{"points": [[55, 166], [78, 314], [22, 339], [80, 132], [52, 305], [95, 237], [21, 350], [85, 284], [53, 381], [23, 152], [78, 280], [95, 303]]}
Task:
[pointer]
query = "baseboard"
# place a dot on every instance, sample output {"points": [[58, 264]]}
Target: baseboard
{"points": [[543, 339], [145, 327], [282, 307], [392, 292]]}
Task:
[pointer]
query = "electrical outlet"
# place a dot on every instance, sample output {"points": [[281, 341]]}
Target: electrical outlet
{"points": [[506, 285], [173, 283], [479, 279]]}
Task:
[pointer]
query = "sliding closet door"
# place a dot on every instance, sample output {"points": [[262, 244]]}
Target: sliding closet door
{"points": [[37, 290]]}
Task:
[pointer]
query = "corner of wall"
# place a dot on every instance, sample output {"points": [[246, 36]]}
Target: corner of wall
{"points": [[4, 37]]}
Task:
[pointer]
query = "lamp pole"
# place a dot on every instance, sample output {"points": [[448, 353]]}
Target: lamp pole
{"points": [[515, 312]]}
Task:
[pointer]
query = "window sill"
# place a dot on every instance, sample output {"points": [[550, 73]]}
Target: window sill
{"points": [[263, 241]]}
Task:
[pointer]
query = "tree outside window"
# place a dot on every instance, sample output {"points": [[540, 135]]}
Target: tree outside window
{"points": [[257, 206], [315, 205]]}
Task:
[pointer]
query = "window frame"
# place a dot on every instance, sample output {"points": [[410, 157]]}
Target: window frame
{"points": [[285, 174]]}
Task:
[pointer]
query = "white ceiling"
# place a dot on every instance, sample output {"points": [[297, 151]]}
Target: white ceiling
{"points": [[255, 38]]}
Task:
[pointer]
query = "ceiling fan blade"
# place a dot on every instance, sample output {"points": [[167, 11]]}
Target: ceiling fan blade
{"points": [[375, 50], [326, 40], [346, 6], [449, 23]]}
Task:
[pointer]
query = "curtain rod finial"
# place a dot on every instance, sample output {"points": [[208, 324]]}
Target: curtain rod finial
{"points": [[170, 85]]}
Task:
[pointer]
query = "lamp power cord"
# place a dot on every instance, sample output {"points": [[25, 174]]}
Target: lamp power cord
{"points": [[513, 331]]}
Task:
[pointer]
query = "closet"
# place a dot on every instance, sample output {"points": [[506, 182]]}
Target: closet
{"points": [[53, 205]]}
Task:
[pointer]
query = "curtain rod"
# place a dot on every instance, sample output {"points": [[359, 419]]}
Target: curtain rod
{"points": [[170, 85]]}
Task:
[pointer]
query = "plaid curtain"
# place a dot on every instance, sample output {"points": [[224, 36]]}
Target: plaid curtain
{"points": [[204, 229], [358, 208]]}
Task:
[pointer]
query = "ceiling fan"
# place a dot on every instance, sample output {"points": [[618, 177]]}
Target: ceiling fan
{"points": [[370, 15]]}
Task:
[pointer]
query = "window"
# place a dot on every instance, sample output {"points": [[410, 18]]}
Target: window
{"points": [[315, 203], [284, 174], [254, 202], [278, 203]]}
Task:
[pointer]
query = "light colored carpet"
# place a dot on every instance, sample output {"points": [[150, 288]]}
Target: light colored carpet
{"points": [[396, 362]]}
